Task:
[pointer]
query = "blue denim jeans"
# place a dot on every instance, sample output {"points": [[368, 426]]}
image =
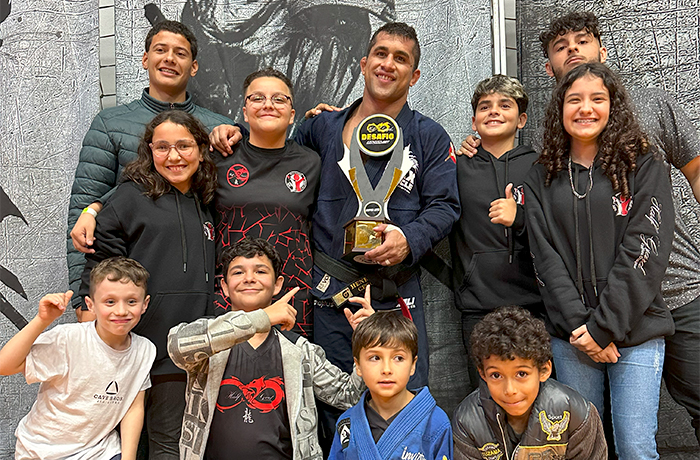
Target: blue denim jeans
{"points": [[635, 382]]}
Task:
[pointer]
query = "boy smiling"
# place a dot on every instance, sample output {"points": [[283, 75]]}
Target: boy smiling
{"points": [[93, 375], [251, 389], [518, 412]]}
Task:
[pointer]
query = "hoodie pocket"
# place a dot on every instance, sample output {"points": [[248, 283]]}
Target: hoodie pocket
{"points": [[492, 281]]}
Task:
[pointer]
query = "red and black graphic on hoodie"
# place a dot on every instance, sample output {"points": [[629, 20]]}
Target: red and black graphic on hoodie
{"points": [[251, 419], [266, 207]]}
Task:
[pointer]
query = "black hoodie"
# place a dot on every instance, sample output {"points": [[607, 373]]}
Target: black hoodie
{"points": [[491, 263], [618, 296], [173, 238]]}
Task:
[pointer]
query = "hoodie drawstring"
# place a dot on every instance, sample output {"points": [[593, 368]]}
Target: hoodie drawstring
{"points": [[579, 269], [508, 231], [183, 237], [204, 238]]}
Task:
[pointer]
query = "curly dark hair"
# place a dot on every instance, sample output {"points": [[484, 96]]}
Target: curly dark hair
{"points": [[143, 171], [510, 332], [175, 27], [501, 84], [572, 22], [249, 248], [620, 142]]}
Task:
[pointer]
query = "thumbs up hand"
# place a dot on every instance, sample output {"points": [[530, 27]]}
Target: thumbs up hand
{"points": [[502, 210]]}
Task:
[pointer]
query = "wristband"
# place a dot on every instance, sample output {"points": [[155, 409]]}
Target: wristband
{"points": [[90, 211]]}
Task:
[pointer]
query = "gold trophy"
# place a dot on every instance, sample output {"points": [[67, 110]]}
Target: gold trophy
{"points": [[375, 136]]}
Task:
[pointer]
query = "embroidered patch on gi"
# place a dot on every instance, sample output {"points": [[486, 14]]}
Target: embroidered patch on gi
{"points": [[491, 451], [409, 179], [208, 230], [554, 428], [620, 205], [295, 181], [451, 154], [237, 175], [344, 432], [324, 283], [519, 195]]}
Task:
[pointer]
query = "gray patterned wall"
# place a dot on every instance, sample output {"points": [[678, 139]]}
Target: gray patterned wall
{"points": [[650, 44], [50, 92]]}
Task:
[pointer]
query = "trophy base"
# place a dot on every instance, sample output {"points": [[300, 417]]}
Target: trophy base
{"points": [[360, 238]]}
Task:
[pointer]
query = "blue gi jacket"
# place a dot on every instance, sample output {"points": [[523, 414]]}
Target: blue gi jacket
{"points": [[424, 205], [420, 431]]}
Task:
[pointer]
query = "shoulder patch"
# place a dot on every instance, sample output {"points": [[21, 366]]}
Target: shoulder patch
{"points": [[554, 428], [519, 195], [451, 154], [491, 451], [621, 205], [208, 230], [344, 432]]}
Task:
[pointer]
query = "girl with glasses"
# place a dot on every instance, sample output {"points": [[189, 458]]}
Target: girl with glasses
{"points": [[159, 216]]}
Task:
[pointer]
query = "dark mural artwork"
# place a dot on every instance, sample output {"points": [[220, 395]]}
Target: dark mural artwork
{"points": [[318, 44], [7, 278]]}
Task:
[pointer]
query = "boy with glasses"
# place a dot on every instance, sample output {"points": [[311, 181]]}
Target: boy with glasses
{"points": [[267, 188]]}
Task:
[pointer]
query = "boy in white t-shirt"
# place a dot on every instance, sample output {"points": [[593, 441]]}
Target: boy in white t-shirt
{"points": [[93, 375]]}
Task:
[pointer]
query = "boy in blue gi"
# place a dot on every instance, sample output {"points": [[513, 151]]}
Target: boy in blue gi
{"points": [[390, 421], [518, 412], [490, 251]]}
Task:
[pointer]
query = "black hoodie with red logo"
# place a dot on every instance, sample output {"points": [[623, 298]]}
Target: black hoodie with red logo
{"points": [[491, 263], [600, 259]]}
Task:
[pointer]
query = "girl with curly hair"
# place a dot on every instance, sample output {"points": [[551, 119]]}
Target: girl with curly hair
{"points": [[159, 216], [600, 224]]}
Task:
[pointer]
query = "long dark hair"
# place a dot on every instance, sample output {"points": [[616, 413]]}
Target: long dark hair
{"points": [[143, 171], [620, 142]]}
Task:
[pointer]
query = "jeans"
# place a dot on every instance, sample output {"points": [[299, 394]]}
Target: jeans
{"points": [[635, 382]]}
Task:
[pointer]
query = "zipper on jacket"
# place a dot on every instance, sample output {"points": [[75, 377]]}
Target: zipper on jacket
{"points": [[503, 434]]}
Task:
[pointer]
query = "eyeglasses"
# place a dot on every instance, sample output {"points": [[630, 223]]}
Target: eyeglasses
{"points": [[184, 148], [277, 99]]}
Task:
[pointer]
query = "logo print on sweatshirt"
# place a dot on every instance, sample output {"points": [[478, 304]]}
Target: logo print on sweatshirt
{"points": [[519, 195], [295, 181], [237, 175], [208, 230], [620, 205], [264, 395]]}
